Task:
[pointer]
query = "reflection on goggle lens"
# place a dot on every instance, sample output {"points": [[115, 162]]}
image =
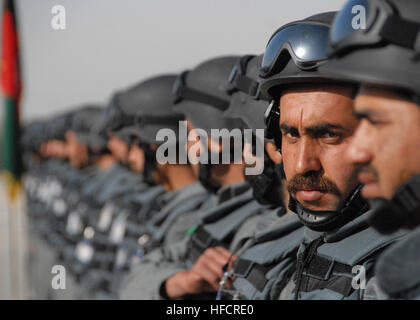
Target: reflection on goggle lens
{"points": [[306, 44]]}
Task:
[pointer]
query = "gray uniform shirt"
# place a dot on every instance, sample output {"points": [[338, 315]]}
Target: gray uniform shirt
{"points": [[356, 234], [398, 269], [144, 280]]}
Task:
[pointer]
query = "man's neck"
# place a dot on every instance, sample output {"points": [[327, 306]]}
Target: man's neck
{"points": [[179, 176], [105, 162], [234, 175]]}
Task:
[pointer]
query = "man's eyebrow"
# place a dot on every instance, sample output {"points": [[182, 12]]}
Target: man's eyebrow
{"points": [[323, 128], [364, 114], [285, 127]]}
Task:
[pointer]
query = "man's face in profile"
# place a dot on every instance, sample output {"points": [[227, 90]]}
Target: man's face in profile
{"points": [[119, 148], [386, 145]]}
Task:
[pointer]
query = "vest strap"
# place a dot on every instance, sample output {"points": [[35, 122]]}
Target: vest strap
{"points": [[252, 272], [323, 273]]}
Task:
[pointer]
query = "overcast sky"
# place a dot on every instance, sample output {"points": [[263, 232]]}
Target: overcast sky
{"points": [[111, 44]]}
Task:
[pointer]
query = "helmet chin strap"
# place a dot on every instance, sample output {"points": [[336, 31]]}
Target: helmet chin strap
{"points": [[326, 220], [205, 178], [267, 186], [402, 211], [149, 165]]}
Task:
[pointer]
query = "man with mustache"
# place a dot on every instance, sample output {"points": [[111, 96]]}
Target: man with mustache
{"points": [[311, 119], [385, 146]]}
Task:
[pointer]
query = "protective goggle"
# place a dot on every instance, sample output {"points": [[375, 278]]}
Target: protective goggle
{"points": [[117, 119], [181, 92], [238, 81], [305, 43], [371, 22]]}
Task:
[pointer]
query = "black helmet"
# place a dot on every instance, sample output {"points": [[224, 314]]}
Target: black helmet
{"points": [[33, 135], [203, 95], [56, 127], [249, 105], [82, 122], [141, 111], [84, 118], [296, 54], [386, 53]]}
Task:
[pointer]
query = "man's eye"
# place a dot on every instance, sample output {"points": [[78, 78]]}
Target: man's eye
{"points": [[331, 135], [291, 138], [291, 135], [374, 122]]}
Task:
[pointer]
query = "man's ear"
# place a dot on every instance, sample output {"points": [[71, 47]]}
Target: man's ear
{"points": [[161, 168], [70, 136], [215, 146], [272, 152]]}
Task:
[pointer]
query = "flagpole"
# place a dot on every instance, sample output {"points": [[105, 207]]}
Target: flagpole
{"points": [[5, 290], [12, 252], [22, 245], [17, 248]]}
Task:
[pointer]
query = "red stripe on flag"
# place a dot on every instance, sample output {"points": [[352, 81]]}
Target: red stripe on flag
{"points": [[10, 79]]}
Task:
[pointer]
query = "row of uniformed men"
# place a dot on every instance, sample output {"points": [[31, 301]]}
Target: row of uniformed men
{"points": [[332, 216]]}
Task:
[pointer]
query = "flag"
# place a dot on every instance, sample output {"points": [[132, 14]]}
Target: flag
{"points": [[11, 89]]}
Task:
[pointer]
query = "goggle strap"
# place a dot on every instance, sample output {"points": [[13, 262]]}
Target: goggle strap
{"points": [[150, 120], [401, 32], [159, 120], [198, 96], [246, 85]]}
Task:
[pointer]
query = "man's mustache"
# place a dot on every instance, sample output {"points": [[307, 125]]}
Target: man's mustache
{"points": [[313, 181], [369, 170]]}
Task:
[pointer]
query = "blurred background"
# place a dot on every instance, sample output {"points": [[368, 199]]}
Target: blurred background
{"points": [[108, 45]]}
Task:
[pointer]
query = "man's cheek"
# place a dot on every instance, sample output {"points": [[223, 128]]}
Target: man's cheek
{"points": [[289, 162], [286, 168], [390, 164]]}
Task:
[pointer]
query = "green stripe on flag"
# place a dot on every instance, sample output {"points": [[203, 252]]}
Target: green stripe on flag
{"points": [[10, 145]]}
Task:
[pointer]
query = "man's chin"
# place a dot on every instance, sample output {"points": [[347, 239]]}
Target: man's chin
{"points": [[325, 202]]}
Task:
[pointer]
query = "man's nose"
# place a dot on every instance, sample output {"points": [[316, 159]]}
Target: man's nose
{"points": [[130, 157], [358, 151], [246, 152], [307, 156]]}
